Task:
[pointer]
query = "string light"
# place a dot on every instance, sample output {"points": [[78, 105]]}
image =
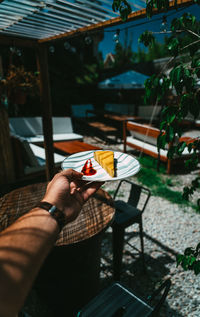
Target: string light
{"points": [[88, 40], [116, 36], [16, 51], [67, 46], [52, 49], [164, 25]]}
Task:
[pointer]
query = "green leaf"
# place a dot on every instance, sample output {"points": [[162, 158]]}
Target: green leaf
{"points": [[198, 247], [180, 148], [174, 46], [189, 251], [179, 259], [146, 38], [161, 141], [197, 267]]}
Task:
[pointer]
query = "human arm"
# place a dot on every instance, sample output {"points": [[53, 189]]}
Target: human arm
{"points": [[25, 244]]}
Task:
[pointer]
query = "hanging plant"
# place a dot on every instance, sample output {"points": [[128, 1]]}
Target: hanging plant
{"points": [[19, 83]]}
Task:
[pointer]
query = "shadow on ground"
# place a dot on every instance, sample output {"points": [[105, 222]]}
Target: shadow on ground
{"points": [[141, 281]]}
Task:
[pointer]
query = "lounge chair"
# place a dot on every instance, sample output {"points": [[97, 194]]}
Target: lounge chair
{"points": [[30, 129], [30, 158]]}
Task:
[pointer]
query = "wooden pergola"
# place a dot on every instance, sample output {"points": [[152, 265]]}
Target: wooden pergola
{"points": [[36, 24]]}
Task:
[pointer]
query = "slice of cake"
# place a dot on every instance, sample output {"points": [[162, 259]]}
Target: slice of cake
{"points": [[106, 160]]}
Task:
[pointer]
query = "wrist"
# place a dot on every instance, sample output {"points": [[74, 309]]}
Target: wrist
{"points": [[54, 212]]}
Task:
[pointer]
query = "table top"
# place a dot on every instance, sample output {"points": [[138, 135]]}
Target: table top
{"points": [[71, 147], [120, 117], [95, 216]]}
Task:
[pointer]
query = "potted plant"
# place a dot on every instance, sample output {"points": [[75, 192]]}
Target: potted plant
{"points": [[19, 83]]}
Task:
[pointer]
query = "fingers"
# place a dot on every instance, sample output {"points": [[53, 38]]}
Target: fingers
{"points": [[89, 189], [71, 174]]}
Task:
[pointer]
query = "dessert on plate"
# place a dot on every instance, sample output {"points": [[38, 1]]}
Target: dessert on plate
{"points": [[106, 160]]}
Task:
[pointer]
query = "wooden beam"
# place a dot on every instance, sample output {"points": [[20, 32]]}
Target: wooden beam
{"points": [[42, 62], [14, 41], [112, 22]]}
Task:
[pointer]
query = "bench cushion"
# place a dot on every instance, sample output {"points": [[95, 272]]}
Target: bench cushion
{"points": [[145, 146], [56, 137], [31, 129], [152, 148]]}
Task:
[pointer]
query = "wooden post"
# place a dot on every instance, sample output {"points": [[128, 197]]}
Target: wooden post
{"points": [[42, 62], [7, 174]]}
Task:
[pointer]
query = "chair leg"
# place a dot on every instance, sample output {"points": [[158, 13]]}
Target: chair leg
{"points": [[142, 243], [118, 243]]}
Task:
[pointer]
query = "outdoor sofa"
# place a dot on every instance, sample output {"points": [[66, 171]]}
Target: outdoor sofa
{"points": [[27, 142], [30, 128]]}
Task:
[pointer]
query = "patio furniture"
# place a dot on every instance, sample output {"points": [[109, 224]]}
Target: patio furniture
{"points": [[71, 147], [70, 275], [127, 214], [102, 126], [117, 301], [30, 128], [143, 138], [29, 158]]}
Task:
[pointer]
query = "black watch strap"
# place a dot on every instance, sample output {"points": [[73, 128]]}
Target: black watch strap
{"points": [[57, 214]]}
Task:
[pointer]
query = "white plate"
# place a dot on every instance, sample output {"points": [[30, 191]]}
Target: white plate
{"points": [[126, 166]]}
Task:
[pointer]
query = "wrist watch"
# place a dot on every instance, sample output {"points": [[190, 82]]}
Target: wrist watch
{"points": [[57, 214]]}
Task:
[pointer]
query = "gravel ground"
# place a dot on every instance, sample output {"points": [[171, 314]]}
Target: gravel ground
{"points": [[168, 230]]}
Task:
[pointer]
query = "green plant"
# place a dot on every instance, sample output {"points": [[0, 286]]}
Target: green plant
{"points": [[183, 80], [89, 76], [18, 79], [190, 260]]}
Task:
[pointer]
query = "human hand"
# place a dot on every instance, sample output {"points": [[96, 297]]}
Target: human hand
{"points": [[68, 192]]}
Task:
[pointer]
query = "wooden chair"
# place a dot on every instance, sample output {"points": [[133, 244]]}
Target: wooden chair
{"points": [[127, 214], [117, 301]]}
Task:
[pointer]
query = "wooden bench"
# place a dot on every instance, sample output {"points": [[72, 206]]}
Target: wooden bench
{"points": [[143, 138], [95, 124]]}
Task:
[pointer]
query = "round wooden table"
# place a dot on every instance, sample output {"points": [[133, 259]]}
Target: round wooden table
{"points": [[69, 278], [96, 214]]}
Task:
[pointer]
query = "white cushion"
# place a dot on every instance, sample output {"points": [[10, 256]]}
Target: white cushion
{"points": [[146, 146], [31, 129], [40, 153], [62, 125], [191, 133], [56, 137], [151, 147]]}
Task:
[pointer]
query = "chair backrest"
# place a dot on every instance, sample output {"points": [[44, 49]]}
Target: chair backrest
{"points": [[117, 300], [62, 125], [26, 127], [79, 111], [135, 194], [32, 126]]}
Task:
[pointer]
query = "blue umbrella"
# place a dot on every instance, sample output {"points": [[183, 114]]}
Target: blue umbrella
{"points": [[127, 80]]}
